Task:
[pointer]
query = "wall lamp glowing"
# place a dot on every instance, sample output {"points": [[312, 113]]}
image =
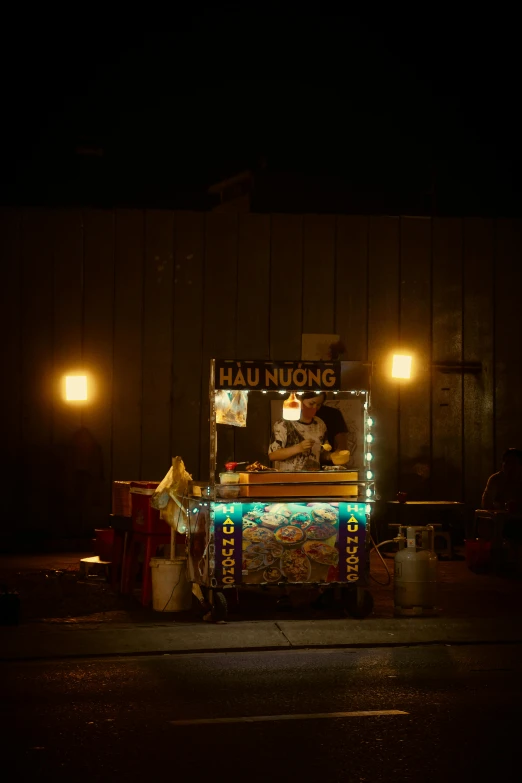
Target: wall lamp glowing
{"points": [[75, 388], [401, 366]]}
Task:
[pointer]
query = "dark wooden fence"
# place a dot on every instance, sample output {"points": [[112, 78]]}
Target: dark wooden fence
{"points": [[143, 300]]}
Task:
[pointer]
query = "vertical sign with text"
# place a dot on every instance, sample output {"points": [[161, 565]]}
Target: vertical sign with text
{"points": [[228, 528], [352, 541]]}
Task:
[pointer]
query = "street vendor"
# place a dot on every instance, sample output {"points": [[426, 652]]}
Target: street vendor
{"points": [[336, 429], [298, 445]]}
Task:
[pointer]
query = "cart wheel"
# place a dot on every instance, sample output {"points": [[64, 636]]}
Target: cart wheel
{"points": [[359, 603], [324, 600], [219, 607]]}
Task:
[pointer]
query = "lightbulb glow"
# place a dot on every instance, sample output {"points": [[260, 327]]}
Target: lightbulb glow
{"points": [[368, 508], [369, 421], [401, 366], [75, 388], [368, 493], [369, 475], [369, 456], [292, 408], [369, 437]]}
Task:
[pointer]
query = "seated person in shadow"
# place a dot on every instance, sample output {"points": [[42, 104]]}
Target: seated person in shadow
{"points": [[504, 492]]}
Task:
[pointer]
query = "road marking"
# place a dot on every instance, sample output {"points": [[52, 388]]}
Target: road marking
{"points": [[304, 716]]}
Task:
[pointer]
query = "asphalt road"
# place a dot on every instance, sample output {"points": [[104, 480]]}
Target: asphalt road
{"points": [[119, 719]]}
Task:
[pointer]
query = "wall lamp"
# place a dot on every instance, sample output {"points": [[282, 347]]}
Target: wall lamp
{"points": [[75, 388], [402, 365]]}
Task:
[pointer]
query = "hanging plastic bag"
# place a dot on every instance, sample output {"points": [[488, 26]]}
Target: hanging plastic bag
{"points": [[169, 494], [231, 407]]}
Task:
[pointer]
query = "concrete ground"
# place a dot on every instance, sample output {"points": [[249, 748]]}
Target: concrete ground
{"points": [[51, 591], [60, 611], [425, 714]]}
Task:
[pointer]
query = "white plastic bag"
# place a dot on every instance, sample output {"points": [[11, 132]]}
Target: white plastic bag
{"points": [[231, 407], [168, 496]]}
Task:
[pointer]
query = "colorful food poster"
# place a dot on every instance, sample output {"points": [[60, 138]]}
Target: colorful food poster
{"points": [[289, 542]]}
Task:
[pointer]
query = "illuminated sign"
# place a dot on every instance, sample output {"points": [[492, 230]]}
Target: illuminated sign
{"points": [[289, 542], [305, 376], [352, 537], [228, 521]]}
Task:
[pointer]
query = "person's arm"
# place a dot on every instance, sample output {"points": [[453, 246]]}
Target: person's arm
{"points": [[281, 454], [278, 450]]}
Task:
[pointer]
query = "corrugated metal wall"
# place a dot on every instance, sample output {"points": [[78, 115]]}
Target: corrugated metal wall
{"points": [[143, 300]]}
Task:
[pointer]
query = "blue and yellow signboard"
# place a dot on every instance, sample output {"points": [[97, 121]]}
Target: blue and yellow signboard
{"points": [[259, 543]]}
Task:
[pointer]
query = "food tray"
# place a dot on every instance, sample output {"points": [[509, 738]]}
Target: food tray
{"points": [[304, 477]]}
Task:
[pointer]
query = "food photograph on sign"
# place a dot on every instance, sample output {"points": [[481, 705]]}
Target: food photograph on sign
{"points": [[291, 542]]}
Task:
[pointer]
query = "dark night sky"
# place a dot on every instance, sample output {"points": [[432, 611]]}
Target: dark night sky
{"points": [[382, 103]]}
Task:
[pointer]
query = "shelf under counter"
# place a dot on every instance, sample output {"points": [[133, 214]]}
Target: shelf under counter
{"points": [[294, 499]]}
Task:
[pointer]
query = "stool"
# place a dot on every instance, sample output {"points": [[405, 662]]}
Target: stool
{"points": [[490, 526], [103, 543], [94, 564], [147, 543], [445, 550]]}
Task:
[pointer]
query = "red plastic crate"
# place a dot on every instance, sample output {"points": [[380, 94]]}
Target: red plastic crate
{"points": [[145, 519], [103, 543], [478, 554], [121, 499]]}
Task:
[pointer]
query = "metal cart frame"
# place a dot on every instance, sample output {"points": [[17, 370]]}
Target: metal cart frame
{"points": [[352, 378]]}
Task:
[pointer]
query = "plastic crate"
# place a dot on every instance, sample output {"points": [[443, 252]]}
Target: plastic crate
{"points": [[478, 555], [146, 519], [103, 543], [121, 499]]}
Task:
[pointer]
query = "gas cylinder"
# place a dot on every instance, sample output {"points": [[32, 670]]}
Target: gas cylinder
{"points": [[415, 583]]}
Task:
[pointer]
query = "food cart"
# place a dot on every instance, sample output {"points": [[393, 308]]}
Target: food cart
{"points": [[254, 526]]}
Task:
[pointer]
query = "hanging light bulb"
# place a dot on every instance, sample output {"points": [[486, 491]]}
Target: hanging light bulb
{"points": [[369, 475], [368, 493], [369, 437], [369, 421], [292, 408], [368, 508], [369, 456]]}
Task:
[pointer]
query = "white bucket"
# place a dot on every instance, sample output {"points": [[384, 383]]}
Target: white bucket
{"points": [[171, 590]]}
